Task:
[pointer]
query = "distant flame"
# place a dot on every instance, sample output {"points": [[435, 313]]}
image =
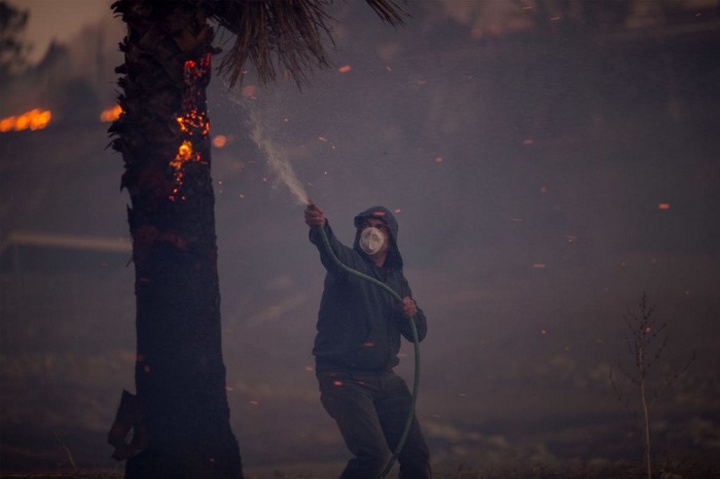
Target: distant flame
{"points": [[111, 114], [35, 119]]}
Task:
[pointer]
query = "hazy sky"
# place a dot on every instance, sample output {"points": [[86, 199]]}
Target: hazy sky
{"points": [[59, 20]]}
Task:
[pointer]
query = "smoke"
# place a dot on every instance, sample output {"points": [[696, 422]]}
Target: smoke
{"points": [[73, 78]]}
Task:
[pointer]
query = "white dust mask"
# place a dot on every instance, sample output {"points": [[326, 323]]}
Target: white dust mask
{"points": [[371, 240]]}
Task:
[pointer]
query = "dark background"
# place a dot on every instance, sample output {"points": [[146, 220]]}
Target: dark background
{"points": [[527, 154]]}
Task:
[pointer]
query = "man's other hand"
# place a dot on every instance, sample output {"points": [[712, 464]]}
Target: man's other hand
{"points": [[408, 306]]}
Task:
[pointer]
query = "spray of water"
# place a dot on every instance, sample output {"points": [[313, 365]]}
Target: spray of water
{"points": [[277, 161]]}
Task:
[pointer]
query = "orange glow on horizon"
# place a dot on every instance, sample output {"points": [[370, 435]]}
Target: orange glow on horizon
{"points": [[35, 119]]}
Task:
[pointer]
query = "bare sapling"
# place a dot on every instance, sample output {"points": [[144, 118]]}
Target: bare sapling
{"points": [[646, 340]]}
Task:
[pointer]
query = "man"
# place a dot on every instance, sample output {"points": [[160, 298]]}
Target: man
{"points": [[358, 339]]}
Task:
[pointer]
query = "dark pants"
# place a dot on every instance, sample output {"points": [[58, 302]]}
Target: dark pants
{"points": [[371, 411]]}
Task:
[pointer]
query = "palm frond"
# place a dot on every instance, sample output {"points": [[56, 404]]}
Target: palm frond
{"points": [[285, 34], [388, 10], [288, 33]]}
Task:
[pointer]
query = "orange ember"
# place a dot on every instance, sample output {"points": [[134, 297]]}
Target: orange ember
{"points": [[344, 69], [194, 121], [185, 153], [248, 91], [219, 141], [35, 119]]}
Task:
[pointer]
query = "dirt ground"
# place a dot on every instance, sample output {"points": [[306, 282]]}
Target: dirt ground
{"points": [[331, 471]]}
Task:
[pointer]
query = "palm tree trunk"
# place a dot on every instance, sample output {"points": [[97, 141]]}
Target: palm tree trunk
{"points": [[163, 137]]}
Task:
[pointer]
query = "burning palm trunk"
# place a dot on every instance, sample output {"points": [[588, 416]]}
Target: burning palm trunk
{"points": [[163, 135]]}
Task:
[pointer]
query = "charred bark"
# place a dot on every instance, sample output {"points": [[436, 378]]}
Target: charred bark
{"points": [[163, 138]]}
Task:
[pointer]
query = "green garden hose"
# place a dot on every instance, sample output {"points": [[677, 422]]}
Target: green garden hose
{"points": [[416, 342]]}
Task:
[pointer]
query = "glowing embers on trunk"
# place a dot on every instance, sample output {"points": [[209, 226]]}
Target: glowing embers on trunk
{"points": [[193, 122], [185, 154], [35, 119]]}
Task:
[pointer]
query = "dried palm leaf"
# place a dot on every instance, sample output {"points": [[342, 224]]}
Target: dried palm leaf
{"points": [[281, 33], [388, 10]]}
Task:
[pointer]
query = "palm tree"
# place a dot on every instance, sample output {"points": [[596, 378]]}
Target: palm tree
{"points": [[180, 414]]}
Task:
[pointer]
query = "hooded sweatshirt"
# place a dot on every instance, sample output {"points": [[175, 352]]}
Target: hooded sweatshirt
{"points": [[359, 323]]}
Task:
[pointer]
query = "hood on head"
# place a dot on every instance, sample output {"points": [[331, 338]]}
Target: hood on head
{"points": [[385, 215]]}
